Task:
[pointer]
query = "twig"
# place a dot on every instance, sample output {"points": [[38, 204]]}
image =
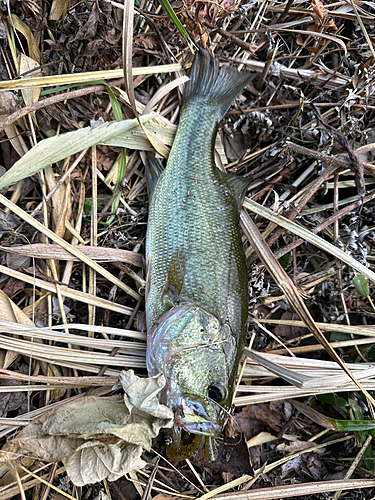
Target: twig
{"points": [[354, 464], [323, 225], [292, 214], [286, 11], [48, 101], [244, 45], [339, 137]]}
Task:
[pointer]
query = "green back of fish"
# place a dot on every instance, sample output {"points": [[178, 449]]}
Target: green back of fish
{"points": [[194, 248]]}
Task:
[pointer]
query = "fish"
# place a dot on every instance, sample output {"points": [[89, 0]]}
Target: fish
{"points": [[197, 281]]}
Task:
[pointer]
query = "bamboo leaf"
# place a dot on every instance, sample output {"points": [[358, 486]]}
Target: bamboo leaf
{"points": [[353, 425], [57, 148]]}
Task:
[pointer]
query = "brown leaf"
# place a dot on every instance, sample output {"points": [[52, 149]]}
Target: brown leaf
{"points": [[314, 50], [233, 457], [148, 40], [319, 10], [59, 9], [23, 28], [313, 415], [97, 438], [8, 103], [256, 418], [13, 286], [331, 26], [14, 261], [89, 29], [46, 251], [295, 446], [299, 40]]}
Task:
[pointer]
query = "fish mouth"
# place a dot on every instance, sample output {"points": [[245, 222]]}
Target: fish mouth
{"points": [[191, 416]]}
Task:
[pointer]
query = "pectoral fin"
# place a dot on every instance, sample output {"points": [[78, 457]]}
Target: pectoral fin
{"points": [[174, 281]]}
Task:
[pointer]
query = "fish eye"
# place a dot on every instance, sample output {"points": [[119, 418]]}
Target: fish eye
{"points": [[216, 393]]}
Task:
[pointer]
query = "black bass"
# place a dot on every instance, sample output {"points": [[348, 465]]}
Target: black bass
{"points": [[196, 293]]}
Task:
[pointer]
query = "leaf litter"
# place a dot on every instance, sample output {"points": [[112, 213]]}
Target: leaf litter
{"points": [[97, 437], [299, 421]]}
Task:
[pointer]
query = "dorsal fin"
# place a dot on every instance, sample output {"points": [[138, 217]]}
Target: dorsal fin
{"points": [[239, 186]]}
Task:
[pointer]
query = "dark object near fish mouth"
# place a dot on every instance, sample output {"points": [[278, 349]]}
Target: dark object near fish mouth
{"points": [[191, 416]]}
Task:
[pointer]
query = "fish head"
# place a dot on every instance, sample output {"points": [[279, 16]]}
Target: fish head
{"points": [[197, 354]]}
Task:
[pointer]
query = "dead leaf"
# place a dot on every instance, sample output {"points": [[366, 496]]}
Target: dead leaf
{"points": [[141, 394], [97, 438], [295, 446], [12, 401], [8, 103], [299, 40], [30, 95], [331, 26], [59, 9], [14, 261], [314, 50], [312, 414], [46, 251], [146, 40], [13, 286], [88, 30], [257, 418], [261, 438], [8, 221], [319, 10], [93, 461], [233, 457], [15, 139], [20, 26]]}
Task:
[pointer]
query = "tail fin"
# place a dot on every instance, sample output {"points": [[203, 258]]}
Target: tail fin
{"points": [[210, 84]]}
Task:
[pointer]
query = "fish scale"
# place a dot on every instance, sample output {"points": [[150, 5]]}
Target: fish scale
{"points": [[197, 298], [204, 224]]}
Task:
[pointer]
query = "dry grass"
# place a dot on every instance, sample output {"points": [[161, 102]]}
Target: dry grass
{"points": [[72, 284]]}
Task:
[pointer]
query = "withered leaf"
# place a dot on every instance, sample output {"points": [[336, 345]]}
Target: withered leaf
{"points": [[93, 461], [96, 437], [319, 10], [8, 103]]}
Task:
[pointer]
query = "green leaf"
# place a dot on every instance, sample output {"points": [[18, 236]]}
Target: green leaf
{"points": [[369, 454], [120, 176], [353, 425], [116, 108], [356, 409], [122, 164], [168, 9], [284, 260], [87, 206], [361, 285], [57, 148], [11, 32], [333, 400], [342, 336]]}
